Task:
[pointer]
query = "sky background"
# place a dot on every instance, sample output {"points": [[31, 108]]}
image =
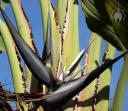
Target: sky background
{"points": [[33, 12]]}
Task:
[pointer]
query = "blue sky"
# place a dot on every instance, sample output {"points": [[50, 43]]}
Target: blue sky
{"points": [[33, 12]]}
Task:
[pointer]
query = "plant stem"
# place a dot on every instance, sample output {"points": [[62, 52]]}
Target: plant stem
{"points": [[26, 33], [17, 74], [121, 86]]}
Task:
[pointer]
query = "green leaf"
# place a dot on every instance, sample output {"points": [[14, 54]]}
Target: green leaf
{"points": [[104, 81], [2, 46], [121, 87], [118, 14], [69, 73], [61, 13], [67, 20], [98, 21], [13, 60], [46, 8], [70, 34], [93, 57]]}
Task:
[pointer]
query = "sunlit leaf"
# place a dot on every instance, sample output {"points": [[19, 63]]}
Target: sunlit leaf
{"points": [[74, 64], [92, 61], [121, 88], [46, 7], [2, 47], [17, 73]]}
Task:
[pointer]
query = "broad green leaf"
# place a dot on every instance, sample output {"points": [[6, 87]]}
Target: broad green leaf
{"points": [[55, 43], [46, 7], [61, 13], [69, 75], [118, 13], [22, 22], [67, 21], [2, 47], [62, 44], [70, 37], [98, 21], [104, 81], [121, 88], [92, 58]]}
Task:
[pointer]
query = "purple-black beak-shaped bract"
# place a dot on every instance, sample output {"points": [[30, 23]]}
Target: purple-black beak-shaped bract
{"points": [[30, 57]]}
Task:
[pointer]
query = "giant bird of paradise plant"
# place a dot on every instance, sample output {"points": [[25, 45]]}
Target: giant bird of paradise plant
{"points": [[58, 69]]}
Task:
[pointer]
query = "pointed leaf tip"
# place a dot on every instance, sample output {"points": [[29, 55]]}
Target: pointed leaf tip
{"points": [[47, 52], [75, 63]]}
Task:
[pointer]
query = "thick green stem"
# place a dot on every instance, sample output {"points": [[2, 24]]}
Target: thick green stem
{"points": [[104, 81], [44, 10], [17, 74], [22, 22], [26, 34], [13, 60], [121, 86], [91, 61]]}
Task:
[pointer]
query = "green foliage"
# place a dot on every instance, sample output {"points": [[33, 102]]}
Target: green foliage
{"points": [[99, 20], [3, 3], [2, 47], [121, 88], [92, 61], [118, 15]]}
